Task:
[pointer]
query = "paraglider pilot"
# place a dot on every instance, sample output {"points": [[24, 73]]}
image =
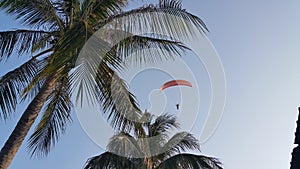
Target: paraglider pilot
{"points": [[177, 106]]}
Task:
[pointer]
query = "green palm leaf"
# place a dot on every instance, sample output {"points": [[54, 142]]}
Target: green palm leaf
{"points": [[109, 160], [95, 10], [125, 145], [33, 12], [53, 122], [116, 100], [180, 142], [12, 84], [147, 49], [190, 161], [162, 124], [165, 18], [22, 41], [67, 10], [33, 87]]}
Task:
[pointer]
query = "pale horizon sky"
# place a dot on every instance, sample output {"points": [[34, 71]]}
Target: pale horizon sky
{"points": [[259, 45]]}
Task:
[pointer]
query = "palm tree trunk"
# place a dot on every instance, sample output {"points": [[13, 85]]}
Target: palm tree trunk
{"points": [[16, 138], [149, 163]]}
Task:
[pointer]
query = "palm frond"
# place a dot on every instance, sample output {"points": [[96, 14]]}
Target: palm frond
{"points": [[94, 78], [33, 12], [190, 161], [125, 145], [53, 122], [158, 134], [167, 18], [12, 84], [117, 100], [162, 124], [109, 160], [95, 10], [147, 49], [32, 88], [180, 142], [68, 48], [83, 76], [170, 4], [22, 41], [67, 10]]}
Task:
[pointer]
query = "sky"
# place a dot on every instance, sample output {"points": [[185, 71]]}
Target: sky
{"points": [[258, 45]]}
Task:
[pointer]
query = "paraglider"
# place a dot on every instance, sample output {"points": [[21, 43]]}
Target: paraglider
{"points": [[175, 83]]}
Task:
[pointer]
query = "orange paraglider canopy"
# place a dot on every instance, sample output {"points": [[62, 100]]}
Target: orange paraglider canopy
{"points": [[175, 83]]}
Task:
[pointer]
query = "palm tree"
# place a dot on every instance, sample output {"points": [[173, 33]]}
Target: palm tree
{"points": [[151, 148], [57, 31]]}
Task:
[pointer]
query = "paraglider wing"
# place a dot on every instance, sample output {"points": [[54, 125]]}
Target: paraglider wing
{"points": [[175, 83]]}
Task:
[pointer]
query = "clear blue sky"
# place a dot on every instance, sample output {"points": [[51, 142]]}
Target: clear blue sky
{"points": [[258, 43]]}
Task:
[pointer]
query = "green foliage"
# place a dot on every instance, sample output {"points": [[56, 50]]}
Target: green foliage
{"points": [[57, 31], [151, 151], [54, 120], [13, 82]]}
